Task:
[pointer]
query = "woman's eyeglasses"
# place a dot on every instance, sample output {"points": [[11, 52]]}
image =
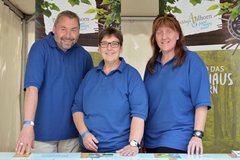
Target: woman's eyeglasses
{"points": [[113, 44]]}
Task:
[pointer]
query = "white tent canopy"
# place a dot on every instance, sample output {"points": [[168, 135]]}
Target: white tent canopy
{"points": [[15, 33]]}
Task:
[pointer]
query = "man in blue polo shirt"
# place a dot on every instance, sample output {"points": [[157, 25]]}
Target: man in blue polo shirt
{"points": [[56, 66]]}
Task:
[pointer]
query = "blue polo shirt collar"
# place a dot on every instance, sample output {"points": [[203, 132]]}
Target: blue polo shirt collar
{"points": [[52, 43], [160, 57], [121, 67]]}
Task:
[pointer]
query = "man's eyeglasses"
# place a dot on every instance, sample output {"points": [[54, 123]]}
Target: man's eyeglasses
{"points": [[113, 44]]}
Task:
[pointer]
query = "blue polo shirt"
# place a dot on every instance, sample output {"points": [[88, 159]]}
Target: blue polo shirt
{"points": [[109, 102], [174, 94], [57, 75]]}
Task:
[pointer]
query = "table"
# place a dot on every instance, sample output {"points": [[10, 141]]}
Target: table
{"points": [[113, 156]]}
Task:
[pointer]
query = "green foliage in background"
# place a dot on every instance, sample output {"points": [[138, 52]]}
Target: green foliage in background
{"points": [[165, 8], [77, 2], [233, 8], [46, 7], [110, 11], [222, 132], [111, 14]]}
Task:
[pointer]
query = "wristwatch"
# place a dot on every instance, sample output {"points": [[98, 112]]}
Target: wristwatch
{"points": [[198, 133], [134, 143]]}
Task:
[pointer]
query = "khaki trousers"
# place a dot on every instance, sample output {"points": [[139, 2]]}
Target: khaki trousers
{"points": [[69, 145]]}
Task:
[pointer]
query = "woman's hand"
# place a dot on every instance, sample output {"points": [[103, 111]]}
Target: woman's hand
{"points": [[90, 142], [195, 146], [128, 151]]}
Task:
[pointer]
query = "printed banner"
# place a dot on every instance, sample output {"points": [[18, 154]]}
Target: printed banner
{"points": [[216, 39], [196, 19], [222, 132], [87, 22], [94, 16]]}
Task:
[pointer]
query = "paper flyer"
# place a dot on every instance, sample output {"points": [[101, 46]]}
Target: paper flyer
{"points": [[53, 156], [205, 157]]}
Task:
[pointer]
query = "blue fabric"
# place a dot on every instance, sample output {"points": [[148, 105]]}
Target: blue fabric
{"points": [[174, 94], [109, 102], [57, 75]]}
